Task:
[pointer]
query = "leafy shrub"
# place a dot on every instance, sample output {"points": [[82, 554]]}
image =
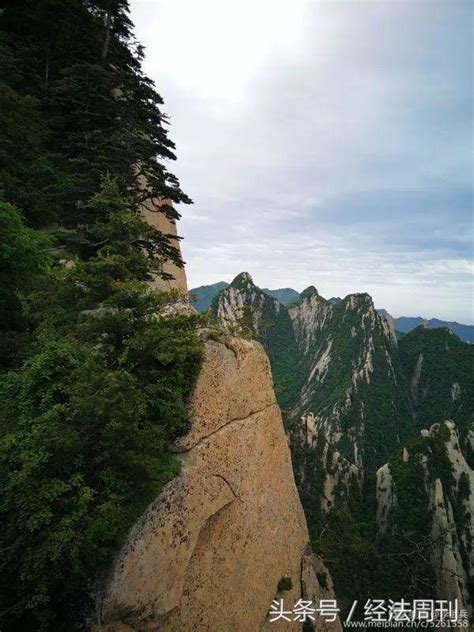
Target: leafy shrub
{"points": [[285, 583]]}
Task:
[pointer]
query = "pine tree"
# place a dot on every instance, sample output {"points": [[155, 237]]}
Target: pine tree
{"points": [[94, 378], [79, 60]]}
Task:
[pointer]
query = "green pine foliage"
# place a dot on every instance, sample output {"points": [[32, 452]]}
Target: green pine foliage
{"points": [[285, 358], [409, 542], [349, 555], [86, 424], [445, 386], [94, 377], [405, 565], [23, 260], [76, 62], [86, 419]]}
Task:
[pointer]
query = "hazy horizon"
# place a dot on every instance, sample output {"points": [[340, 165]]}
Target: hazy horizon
{"points": [[323, 143]]}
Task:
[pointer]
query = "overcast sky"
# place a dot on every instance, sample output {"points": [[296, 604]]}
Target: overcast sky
{"points": [[323, 143]]}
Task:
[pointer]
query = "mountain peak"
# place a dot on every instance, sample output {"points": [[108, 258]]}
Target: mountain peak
{"points": [[242, 280], [360, 299], [309, 291]]}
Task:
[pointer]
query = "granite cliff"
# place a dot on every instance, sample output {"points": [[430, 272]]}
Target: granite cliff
{"points": [[210, 552], [172, 277]]}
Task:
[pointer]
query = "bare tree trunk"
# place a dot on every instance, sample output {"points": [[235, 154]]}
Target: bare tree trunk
{"points": [[108, 26], [46, 71]]}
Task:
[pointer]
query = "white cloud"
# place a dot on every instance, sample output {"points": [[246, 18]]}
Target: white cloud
{"points": [[323, 143], [213, 48]]}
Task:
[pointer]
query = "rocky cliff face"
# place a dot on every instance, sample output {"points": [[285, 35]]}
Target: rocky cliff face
{"points": [[344, 392], [211, 550], [352, 397], [177, 276], [445, 497], [351, 375]]}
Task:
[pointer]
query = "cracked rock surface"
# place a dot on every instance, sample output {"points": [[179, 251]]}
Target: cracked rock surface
{"points": [[210, 550]]}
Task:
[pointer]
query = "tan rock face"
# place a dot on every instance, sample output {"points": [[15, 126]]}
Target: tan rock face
{"points": [[209, 552], [162, 223]]}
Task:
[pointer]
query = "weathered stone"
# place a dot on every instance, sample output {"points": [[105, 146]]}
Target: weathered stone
{"points": [[316, 583], [162, 223], [209, 552], [235, 381]]}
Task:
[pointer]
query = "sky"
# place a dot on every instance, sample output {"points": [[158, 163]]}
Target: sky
{"points": [[325, 143]]}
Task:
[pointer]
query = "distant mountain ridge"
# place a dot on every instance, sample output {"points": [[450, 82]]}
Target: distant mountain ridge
{"points": [[405, 324], [201, 297], [285, 295]]}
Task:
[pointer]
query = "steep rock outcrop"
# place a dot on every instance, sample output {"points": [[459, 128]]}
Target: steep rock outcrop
{"points": [[245, 307], [177, 275], [448, 486], [210, 551]]}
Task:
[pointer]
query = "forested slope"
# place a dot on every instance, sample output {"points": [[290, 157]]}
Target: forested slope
{"points": [[94, 379]]}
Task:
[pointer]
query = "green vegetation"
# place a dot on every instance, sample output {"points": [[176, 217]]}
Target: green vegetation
{"points": [[382, 403], [376, 416], [308, 292], [94, 378], [409, 542], [408, 573], [349, 556], [278, 339], [265, 319], [201, 297], [23, 260], [86, 423], [368, 418], [445, 386], [285, 583]]}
